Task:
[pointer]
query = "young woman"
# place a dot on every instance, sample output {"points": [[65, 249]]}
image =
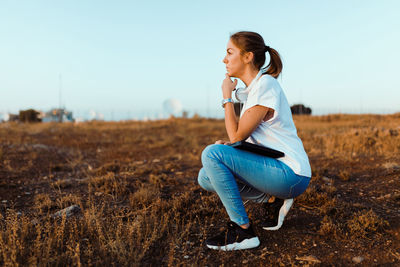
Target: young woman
{"points": [[265, 120]]}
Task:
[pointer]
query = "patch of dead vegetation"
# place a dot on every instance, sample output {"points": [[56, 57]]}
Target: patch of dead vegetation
{"points": [[365, 222], [136, 184]]}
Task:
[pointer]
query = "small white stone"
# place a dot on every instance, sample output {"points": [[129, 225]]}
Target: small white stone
{"points": [[326, 179], [357, 259], [186, 257]]}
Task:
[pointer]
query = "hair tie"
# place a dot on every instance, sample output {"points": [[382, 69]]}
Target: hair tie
{"points": [[267, 48]]}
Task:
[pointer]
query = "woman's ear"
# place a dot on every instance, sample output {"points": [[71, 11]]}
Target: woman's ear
{"points": [[248, 57]]}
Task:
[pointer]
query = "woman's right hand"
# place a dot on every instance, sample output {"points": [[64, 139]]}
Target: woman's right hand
{"points": [[222, 142]]}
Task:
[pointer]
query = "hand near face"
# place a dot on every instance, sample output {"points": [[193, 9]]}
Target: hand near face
{"points": [[228, 86]]}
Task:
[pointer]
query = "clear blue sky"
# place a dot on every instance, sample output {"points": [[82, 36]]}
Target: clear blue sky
{"points": [[130, 56]]}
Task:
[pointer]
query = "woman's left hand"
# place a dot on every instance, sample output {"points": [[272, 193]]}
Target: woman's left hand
{"points": [[228, 86]]}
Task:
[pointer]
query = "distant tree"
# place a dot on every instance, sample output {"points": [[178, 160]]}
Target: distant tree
{"points": [[300, 109], [29, 115]]}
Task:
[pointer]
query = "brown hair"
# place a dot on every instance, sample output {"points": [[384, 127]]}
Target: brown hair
{"points": [[253, 42]]}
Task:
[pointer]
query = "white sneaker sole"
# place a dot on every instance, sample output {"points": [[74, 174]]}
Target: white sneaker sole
{"points": [[283, 211], [245, 244]]}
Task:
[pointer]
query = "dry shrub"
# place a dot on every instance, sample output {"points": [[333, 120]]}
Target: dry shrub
{"points": [[365, 222], [328, 227], [108, 167], [16, 230], [43, 203], [344, 175], [157, 179], [318, 197], [68, 200], [143, 197], [109, 184]]}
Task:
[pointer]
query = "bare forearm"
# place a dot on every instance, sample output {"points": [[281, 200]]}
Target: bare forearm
{"points": [[231, 123]]}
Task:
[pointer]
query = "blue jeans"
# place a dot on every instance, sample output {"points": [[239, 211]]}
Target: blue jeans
{"points": [[235, 174]]}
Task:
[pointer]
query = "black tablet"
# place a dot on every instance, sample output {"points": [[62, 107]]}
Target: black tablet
{"points": [[262, 150]]}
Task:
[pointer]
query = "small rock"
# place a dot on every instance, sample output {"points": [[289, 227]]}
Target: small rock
{"points": [[68, 212], [27, 193], [326, 179], [357, 259], [186, 257], [40, 146], [156, 160]]}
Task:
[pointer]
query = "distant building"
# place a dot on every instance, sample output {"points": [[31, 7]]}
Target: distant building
{"points": [[29, 115], [300, 109], [57, 115], [13, 117]]}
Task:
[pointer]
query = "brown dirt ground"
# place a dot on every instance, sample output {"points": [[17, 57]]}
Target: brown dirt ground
{"points": [[136, 183]]}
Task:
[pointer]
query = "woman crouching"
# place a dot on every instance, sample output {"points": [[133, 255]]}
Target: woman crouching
{"points": [[265, 120]]}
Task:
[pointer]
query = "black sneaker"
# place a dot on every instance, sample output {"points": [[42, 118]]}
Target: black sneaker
{"points": [[276, 212], [234, 238]]}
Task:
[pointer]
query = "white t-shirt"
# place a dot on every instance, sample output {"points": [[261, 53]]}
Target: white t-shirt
{"points": [[279, 132]]}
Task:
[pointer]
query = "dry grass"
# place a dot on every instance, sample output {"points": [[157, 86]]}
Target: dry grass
{"points": [[136, 184], [365, 222]]}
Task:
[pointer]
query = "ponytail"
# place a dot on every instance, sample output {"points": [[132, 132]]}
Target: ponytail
{"points": [[274, 67]]}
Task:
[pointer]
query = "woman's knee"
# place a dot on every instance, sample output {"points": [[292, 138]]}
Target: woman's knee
{"points": [[204, 181], [211, 152]]}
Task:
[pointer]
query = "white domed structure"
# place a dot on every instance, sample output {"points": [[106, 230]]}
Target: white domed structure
{"points": [[172, 107]]}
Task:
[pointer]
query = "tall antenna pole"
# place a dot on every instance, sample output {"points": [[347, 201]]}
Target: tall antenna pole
{"points": [[59, 99], [59, 91]]}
